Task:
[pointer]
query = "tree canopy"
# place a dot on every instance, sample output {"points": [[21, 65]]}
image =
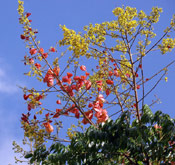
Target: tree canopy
{"points": [[106, 94]]}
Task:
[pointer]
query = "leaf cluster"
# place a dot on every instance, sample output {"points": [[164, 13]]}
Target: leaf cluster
{"points": [[117, 142]]}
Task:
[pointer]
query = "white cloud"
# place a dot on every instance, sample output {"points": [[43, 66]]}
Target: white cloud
{"points": [[9, 117], [7, 84], [2, 73], [6, 87], [8, 135], [7, 154]]}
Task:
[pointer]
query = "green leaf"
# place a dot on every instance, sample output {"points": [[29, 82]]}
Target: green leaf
{"points": [[140, 163], [147, 115], [28, 155]]}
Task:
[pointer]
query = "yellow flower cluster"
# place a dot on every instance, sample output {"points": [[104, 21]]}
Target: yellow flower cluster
{"points": [[126, 24], [142, 15], [118, 11], [71, 132], [34, 133], [155, 14], [113, 26], [125, 69], [78, 44], [167, 45], [126, 19], [96, 33], [20, 7], [173, 22], [23, 18], [121, 46], [141, 47], [148, 33]]}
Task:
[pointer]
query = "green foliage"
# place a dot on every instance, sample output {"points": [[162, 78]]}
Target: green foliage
{"points": [[118, 141]]}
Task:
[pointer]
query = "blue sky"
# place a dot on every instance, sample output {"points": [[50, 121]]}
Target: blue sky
{"points": [[46, 16]]}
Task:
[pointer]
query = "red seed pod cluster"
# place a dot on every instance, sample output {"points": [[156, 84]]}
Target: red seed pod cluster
{"points": [[33, 51], [51, 75], [97, 108], [49, 78], [38, 66], [48, 127]]}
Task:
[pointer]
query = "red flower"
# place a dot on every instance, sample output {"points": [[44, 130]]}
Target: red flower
{"points": [[100, 89], [76, 78], [58, 102], [88, 84], [65, 79], [22, 36], [89, 115], [52, 49], [99, 83], [100, 98], [102, 116], [116, 73], [87, 74], [48, 127], [31, 61], [90, 105], [138, 86], [38, 66], [69, 75], [57, 114], [77, 115], [112, 60], [27, 38], [47, 115], [108, 92], [134, 105], [75, 111], [56, 70], [28, 14], [83, 77], [41, 50], [33, 51], [45, 55], [34, 117], [26, 96], [64, 87], [30, 106], [97, 106], [73, 87], [50, 80], [109, 82], [83, 68], [110, 73], [25, 118]]}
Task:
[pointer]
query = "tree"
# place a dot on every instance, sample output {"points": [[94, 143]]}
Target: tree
{"points": [[105, 96]]}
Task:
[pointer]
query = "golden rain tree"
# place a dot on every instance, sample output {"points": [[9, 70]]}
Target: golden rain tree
{"points": [[102, 96]]}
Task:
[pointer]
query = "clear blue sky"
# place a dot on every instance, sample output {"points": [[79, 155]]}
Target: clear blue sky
{"points": [[46, 16]]}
